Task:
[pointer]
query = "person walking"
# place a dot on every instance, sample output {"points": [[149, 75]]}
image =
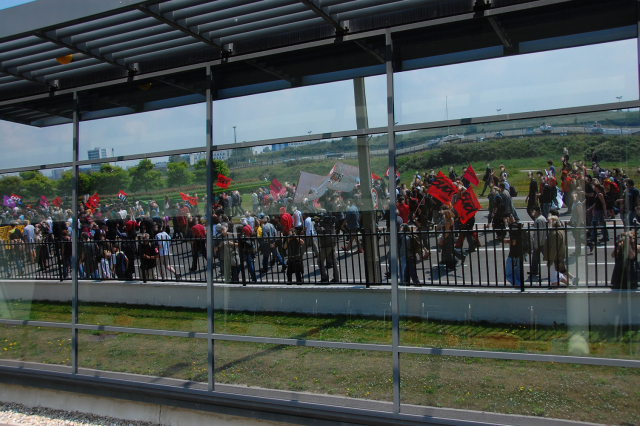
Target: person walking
{"points": [[539, 238], [293, 245], [164, 243], [268, 244], [554, 253], [327, 240]]}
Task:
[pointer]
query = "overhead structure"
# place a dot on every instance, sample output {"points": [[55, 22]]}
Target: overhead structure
{"points": [[106, 49]]}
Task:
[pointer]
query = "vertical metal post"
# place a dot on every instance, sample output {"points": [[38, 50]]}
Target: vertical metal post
{"points": [[370, 241], [75, 262], [393, 231], [209, 207]]}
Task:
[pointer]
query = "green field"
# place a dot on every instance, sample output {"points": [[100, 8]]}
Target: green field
{"points": [[599, 394]]}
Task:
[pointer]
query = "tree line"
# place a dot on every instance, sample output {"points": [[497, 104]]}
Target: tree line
{"points": [[110, 179]]}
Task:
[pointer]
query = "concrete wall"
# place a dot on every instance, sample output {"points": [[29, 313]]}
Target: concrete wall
{"points": [[122, 409], [495, 305]]}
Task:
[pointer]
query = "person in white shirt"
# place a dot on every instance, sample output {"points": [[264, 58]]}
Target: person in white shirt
{"points": [[310, 234], [164, 253], [297, 219]]}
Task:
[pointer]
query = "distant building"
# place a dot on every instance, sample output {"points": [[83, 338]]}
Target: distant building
{"points": [[192, 159], [56, 174], [95, 154], [222, 155]]}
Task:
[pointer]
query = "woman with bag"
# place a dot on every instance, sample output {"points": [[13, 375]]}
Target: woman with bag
{"points": [[228, 254]]}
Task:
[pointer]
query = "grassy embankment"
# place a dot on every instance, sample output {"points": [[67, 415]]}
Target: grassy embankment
{"points": [[588, 393]]}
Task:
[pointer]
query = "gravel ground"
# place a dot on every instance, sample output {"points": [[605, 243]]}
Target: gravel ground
{"points": [[18, 414]]}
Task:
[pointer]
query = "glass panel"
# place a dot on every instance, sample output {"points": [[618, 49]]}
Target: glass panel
{"points": [[40, 345], [137, 199], [252, 368], [520, 83], [299, 111], [46, 145], [304, 205], [571, 312], [35, 254], [157, 356], [155, 131], [543, 389]]}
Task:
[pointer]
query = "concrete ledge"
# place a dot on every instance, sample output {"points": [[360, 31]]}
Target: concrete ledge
{"points": [[175, 411], [574, 307]]}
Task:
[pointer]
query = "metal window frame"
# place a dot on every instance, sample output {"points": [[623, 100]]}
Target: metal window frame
{"points": [[395, 348]]}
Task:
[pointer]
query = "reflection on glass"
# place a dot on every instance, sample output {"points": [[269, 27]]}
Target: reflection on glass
{"points": [[250, 368], [299, 111], [35, 251], [47, 145], [39, 345], [143, 221], [536, 251], [310, 214], [544, 389], [530, 82], [166, 129], [158, 356]]}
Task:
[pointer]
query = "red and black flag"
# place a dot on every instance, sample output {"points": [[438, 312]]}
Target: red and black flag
{"points": [[223, 181], [467, 205], [193, 201], [442, 188], [93, 202]]}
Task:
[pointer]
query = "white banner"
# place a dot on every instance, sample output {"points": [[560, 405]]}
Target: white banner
{"points": [[310, 186], [342, 177]]}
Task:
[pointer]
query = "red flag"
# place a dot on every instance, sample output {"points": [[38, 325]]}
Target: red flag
{"points": [[122, 195], [275, 186], [223, 181], [375, 177], [442, 188], [56, 202], [470, 175], [44, 202], [93, 201], [467, 205], [193, 201]]}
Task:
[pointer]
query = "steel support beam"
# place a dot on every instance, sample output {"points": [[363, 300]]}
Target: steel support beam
{"points": [[70, 117], [178, 86], [393, 230], [209, 234], [74, 234], [339, 29], [24, 77], [261, 67], [321, 13], [53, 38], [502, 34], [154, 12]]}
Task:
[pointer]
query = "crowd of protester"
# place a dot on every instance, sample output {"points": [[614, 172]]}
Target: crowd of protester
{"points": [[117, 236]]}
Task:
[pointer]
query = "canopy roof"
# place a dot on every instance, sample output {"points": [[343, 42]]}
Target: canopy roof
{"points": [[118, 47]]}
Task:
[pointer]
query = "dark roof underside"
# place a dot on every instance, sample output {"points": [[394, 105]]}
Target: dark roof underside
{"points": [[258, 46]]}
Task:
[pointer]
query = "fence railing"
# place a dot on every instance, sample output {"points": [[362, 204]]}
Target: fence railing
{"points": [[481, 256]]}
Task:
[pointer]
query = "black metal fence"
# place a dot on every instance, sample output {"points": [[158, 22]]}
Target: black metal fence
{"points": [[432, 257]]}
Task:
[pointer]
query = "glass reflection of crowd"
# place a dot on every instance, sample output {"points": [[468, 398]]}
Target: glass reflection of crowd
{"points": [[281, 235]]}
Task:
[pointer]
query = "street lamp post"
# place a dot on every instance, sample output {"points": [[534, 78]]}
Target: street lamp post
{"points": [[234, 134]]}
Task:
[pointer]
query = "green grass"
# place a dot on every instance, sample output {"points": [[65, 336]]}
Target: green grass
{"points": [[588, 393]]}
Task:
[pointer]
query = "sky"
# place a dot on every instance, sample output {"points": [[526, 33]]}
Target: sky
{"points": [[5, 4], [562, 78]]}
